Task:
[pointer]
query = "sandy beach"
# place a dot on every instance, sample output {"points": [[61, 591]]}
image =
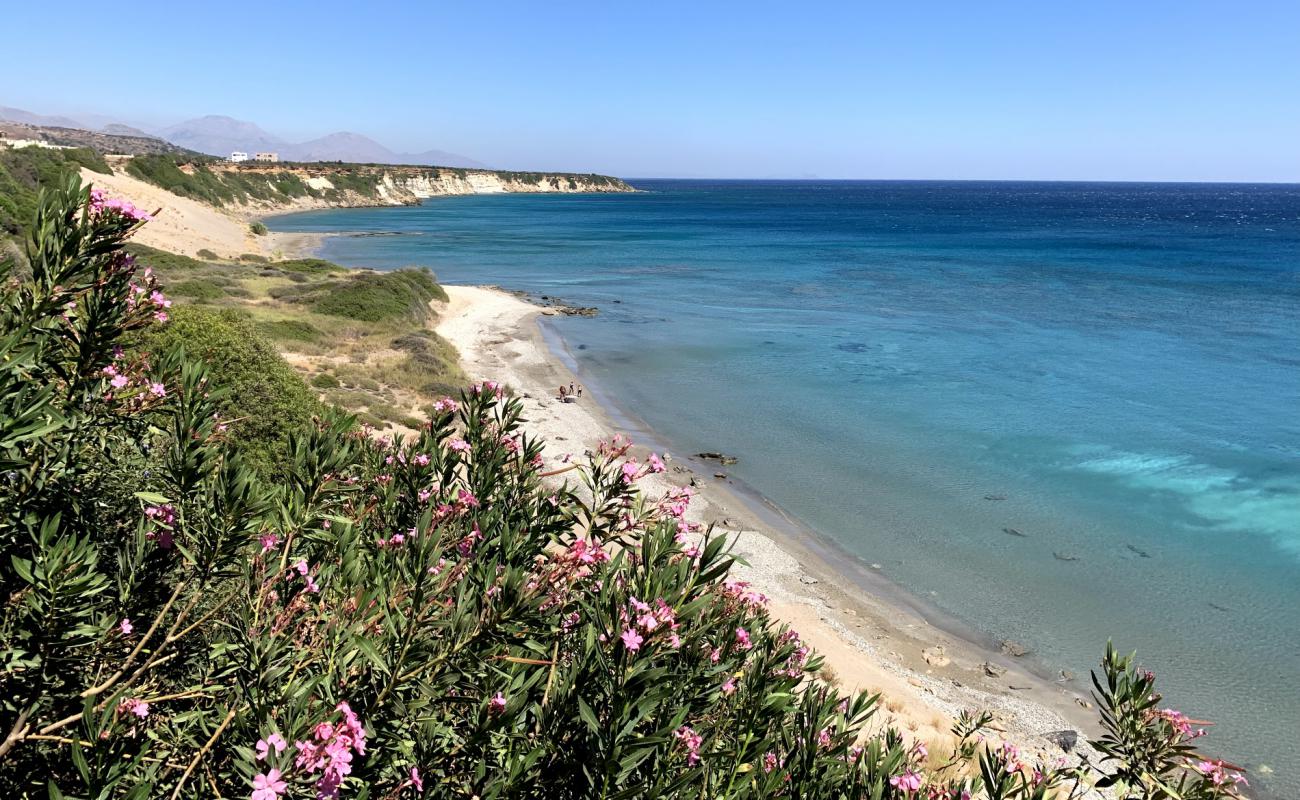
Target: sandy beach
{"points": [[871, 640]]}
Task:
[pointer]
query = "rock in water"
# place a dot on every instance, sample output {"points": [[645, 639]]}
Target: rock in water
{"points": [[1014, 532], [1065, 556], [1014, 648], [993, 670], [1066, 740]]}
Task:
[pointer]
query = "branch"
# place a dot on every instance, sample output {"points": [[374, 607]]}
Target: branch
{"points": [[202, 752], [144, 640]]}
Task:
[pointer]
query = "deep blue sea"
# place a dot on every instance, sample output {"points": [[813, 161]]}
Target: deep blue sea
{"points": [[910, 368]]}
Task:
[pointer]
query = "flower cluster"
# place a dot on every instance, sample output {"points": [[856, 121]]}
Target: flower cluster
{"points": [[100, 203], [641, 620], [330, 751], [690, 741]]}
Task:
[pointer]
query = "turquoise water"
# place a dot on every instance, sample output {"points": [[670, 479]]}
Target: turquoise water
{"points": [[1116, 365]]}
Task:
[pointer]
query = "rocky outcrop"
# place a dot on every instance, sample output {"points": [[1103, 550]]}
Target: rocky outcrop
{"points": [[354, 185]]}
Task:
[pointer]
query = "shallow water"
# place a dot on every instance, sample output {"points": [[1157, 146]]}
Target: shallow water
{"points": [[1110, 370]]}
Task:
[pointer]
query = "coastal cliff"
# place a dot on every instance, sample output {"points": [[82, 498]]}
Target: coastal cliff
{"points": [[274, 187]]}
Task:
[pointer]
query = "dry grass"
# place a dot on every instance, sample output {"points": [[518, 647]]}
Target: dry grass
{"points": [[389, 371]]}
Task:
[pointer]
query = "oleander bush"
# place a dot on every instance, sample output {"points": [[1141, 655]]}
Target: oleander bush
{"points": [[441, 616]]}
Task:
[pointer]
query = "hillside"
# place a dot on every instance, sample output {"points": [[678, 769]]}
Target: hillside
{"points": [[296, 186], [117, 139]]}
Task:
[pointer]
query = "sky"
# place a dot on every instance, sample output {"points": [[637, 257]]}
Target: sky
{"points": [[1098, 90]]}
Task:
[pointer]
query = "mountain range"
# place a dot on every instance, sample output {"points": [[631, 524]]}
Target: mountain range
{"points": [[220, 136]]}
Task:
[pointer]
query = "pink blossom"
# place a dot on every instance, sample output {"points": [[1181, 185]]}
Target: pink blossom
{"points": [[770, 761], [459, 445], [729, 686], [125, 627], [157, 389], [118, 381], [631, 640], [742, 639], [631, 471], [909, 781], [497, 704], [137, 707], [444, 404], [689, 739], [268, 540], [268, 786], [416, 780], [421, 460], [273, 742], [656, 463], [467, 499]]}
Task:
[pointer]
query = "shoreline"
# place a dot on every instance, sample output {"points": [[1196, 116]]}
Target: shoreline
{"points": [[873, 634]]}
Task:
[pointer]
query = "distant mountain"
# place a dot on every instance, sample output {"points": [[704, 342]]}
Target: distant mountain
{"points": [[220, 136], [28, 118], [118, 129], [357, 148]]}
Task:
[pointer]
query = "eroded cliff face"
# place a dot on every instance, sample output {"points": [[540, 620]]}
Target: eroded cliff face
{"points": [[351, 185]]}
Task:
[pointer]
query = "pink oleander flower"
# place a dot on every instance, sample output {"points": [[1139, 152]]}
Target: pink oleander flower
{"points": [[274, 742], [459, 445], [742, 639], [908, 782], [416, 780], [631, 640], [125, 627], [631, 471], [466, 499], [421, 460], [689, 739], [133, 706], [157, 389], [770, 761], [497, 705], [656, 463], [444, 404], [268, 786], [268, 541], [729, 687], [118, 381]]}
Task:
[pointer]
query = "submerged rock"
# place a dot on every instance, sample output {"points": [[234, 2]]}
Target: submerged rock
{"points": [[1066, 739], [1064, 556], [721, 458], [1014, 648], [1014, 532]]}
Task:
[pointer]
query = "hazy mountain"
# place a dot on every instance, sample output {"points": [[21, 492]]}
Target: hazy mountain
{"points": [[18, 115], [220, 136], [344, 146], [118, 129]]}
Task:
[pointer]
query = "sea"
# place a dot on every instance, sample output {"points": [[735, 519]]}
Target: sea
{"points": [[1059, 413]]}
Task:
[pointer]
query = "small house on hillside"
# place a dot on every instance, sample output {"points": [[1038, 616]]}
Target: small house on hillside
{"points": [[268, 158], [238, 156]]}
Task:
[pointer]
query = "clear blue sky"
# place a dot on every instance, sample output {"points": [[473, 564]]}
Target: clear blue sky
{"points": [[1183, 90]]}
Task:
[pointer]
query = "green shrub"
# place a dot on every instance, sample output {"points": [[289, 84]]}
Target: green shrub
{"points": [[196, 290], [254, 258], [290, 330], [266, 398], [163, 261], [206, 255], [258, 228], [309, 266], [379, 296], [324, 380]]}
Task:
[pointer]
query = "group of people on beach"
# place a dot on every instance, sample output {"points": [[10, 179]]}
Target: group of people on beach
{"points": [[568, 395]]}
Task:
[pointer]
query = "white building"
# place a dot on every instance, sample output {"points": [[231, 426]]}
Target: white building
{"points": [[266, 158], [238, 156]]}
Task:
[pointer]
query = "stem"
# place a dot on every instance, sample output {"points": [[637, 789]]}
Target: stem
{"points": [[202, 752], [144, 640]]}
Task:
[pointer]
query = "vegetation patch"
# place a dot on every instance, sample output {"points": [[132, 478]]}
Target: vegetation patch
{"points": [[265, 398], [380, 296]]}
